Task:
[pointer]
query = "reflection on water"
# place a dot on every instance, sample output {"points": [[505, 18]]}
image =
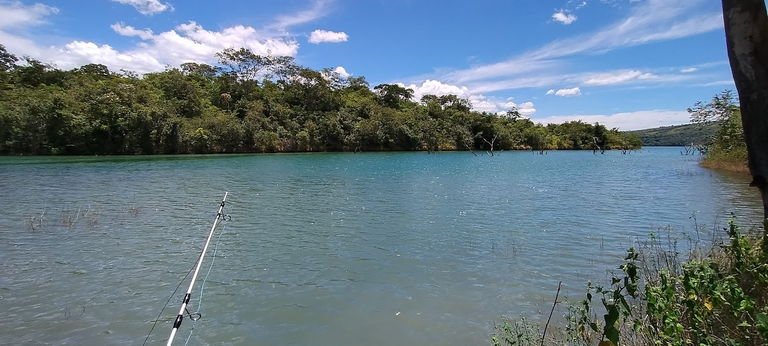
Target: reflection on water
{"points": [[330, 249]]}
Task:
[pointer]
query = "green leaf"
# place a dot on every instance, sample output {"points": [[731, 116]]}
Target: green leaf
{"points": [[612, 335], [625, 305], [762, 320], [611, 318]]}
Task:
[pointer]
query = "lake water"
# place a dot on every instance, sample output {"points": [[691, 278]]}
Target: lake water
{"points": [[330, 249]]}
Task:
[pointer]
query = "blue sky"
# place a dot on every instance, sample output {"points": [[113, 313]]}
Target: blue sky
{"points": [[626, 63]]}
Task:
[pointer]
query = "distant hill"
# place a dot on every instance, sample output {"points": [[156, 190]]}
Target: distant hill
{"points": [[679, 135]]}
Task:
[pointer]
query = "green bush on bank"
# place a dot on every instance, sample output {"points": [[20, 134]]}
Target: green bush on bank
{"points": [[717, 298], [726, 150]]}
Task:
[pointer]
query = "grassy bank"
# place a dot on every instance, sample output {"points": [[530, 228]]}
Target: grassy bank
{"points": [[736, 166], [727, 149], [714, 296], [730, 159]]}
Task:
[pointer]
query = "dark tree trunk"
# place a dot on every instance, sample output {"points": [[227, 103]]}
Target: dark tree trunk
{"points": [[746, 33]]}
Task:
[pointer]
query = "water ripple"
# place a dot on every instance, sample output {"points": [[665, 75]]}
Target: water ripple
{"points": [[331, 249]]}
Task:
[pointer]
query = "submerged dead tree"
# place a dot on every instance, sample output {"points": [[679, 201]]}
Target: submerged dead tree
{"points": [[690, 149], [466, 138], [746, 33], [597, 147], [470, 147], [491, 143]]}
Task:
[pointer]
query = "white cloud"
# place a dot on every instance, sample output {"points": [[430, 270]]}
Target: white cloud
{"points": [[479, 102], [127, 30], [649, 21], [720, 82], [434, 87], [19, 46], [564, 18], [79, 53], [342, 72], [618, 77], [330, 75], [626, 121], [318, 9], [15, 21], [709, 65], [16, 15], [543, 80], [502, 69], [526, 108], [147, 7], [319, 36], [185, 43], [565, 92], [689, 70], [523, 82], [582, 5]]}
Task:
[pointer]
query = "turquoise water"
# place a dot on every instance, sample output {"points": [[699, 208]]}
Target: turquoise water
{"points": [[330, 249]]}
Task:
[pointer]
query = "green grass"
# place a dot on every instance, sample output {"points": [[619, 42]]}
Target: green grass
{"points": [[732, 159], [714, 296]]}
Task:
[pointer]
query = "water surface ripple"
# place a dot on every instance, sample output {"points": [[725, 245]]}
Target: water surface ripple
{"points": [[330, 249]]}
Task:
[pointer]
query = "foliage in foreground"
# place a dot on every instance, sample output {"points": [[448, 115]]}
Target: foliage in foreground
{"points": [[721, 298], [252, 103]]}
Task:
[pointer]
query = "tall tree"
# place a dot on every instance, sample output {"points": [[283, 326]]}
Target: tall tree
{"points": [[200, 69], [746, 33], [7, 60], [7, 63], [393, 95], [243, 63]]}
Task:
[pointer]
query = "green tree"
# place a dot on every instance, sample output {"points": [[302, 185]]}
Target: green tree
{"points": [[720, 109], [728, 146], [393, 95], [250, 103], [7, 60], [7, 63], [188, 93], [34, 73], [204, 70], [244, 64]]}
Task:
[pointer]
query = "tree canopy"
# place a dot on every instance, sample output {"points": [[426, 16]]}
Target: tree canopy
{"points": [[251, 103]]}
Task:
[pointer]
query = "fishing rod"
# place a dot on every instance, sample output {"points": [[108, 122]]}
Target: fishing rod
{"points": [[180, 316]]}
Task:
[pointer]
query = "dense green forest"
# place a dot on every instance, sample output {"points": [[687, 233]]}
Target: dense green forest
{"points": [[679, 135], [252, 103]]}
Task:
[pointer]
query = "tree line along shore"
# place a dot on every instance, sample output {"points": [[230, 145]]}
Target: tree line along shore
{"points": [[251, 103]]}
